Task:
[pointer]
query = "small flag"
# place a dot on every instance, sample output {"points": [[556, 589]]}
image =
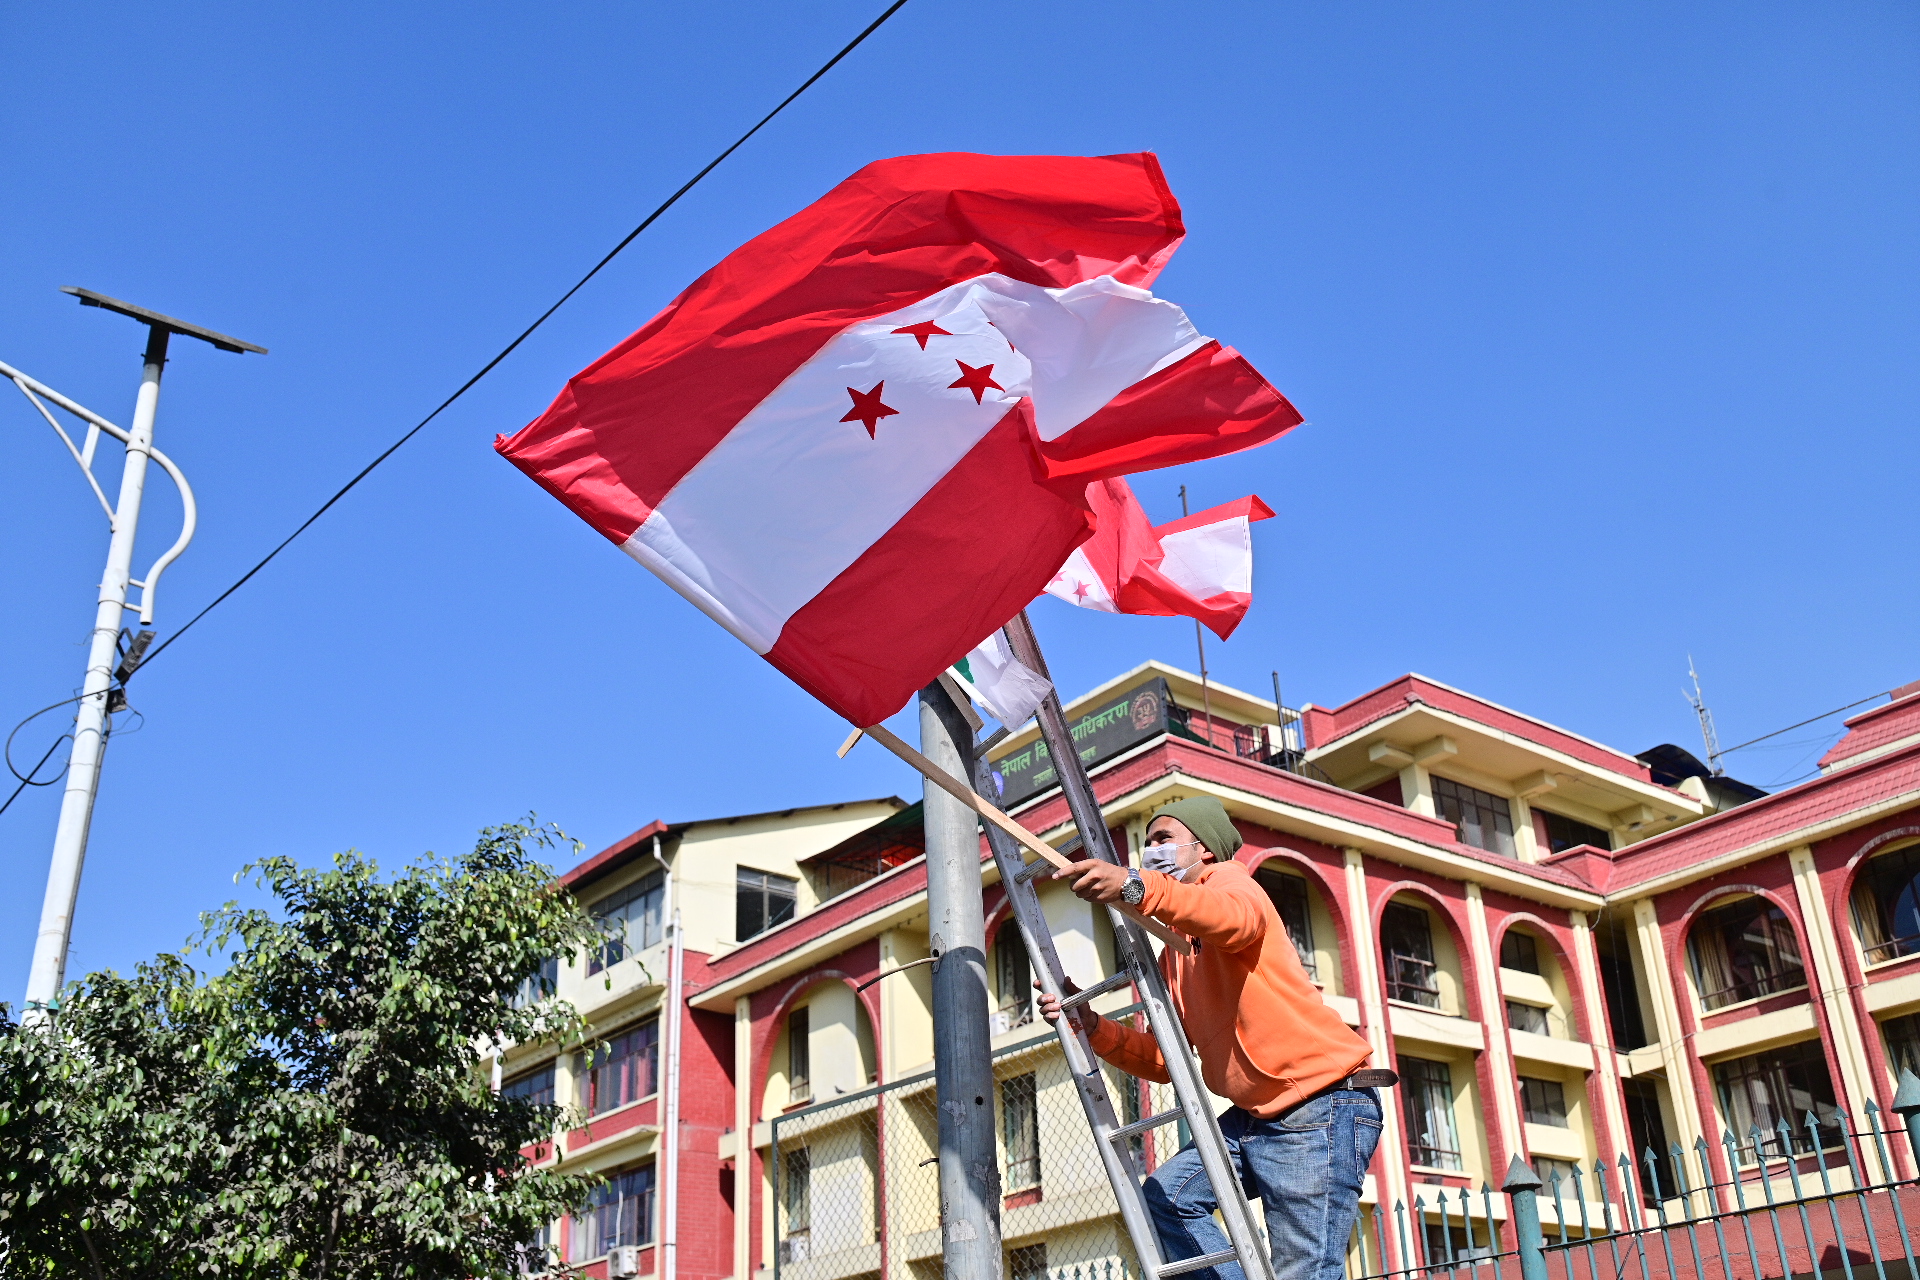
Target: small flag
{"points": [[1200, 566], [863, 440], [1000, 682]]}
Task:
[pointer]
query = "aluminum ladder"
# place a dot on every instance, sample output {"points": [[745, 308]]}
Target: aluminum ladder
{"points": [[1139, 969]]}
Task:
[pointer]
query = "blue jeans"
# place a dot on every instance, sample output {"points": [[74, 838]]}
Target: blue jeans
{"points": [[1305, 1165]]}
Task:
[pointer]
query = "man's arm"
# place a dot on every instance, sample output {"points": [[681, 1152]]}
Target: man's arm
{"points": [[1133, 1051], [1228, 911]]}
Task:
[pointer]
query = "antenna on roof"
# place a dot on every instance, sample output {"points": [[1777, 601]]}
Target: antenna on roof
{"points": [[1708, 734]]}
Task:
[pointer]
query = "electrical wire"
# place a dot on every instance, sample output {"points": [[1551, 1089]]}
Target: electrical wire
{"points": [[508, 350], [1824, 715]]}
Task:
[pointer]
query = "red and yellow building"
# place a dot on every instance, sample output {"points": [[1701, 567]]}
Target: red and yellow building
{"points": [[1569, 951]]}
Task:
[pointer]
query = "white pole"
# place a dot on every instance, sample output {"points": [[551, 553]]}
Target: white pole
{"points": [[670, 1093], [90, 725]]}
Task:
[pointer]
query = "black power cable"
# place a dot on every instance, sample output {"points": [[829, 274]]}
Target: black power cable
{"points": [[508, 350]]}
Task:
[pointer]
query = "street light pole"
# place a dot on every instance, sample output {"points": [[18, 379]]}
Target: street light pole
{"points": [[93, 722]]}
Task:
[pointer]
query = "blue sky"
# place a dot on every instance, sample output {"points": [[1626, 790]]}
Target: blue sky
{"points": [[1602, 317]]}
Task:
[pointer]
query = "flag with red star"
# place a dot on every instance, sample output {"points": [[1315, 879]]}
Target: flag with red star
{"points": [[1200, 566], [864, 440]]}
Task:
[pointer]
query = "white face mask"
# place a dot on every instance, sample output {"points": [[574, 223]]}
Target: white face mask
{"points": [[1163, 858]]}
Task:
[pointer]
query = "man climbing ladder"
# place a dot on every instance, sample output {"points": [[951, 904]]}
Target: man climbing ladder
{"points": [[1306, 1117]]}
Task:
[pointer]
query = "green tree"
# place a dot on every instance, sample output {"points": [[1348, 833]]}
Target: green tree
{"points": [[315, 1109]]}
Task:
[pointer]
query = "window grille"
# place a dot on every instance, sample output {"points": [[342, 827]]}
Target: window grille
{"points": [[1781, 1084], [631, 919], [1743, 951], [1543, 1102], [1886, 905], [1432, 1139], [1020, 1129], [1406, 945], [626, 1070], [1483, 819], [761, 901], [1289, 895], [618, 1212]]}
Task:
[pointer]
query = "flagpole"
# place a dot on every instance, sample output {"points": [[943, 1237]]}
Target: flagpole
{"points": [[969, 1161], [1200, 643]]}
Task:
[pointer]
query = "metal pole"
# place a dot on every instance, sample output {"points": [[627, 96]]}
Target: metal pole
{"points": [[1200, 643], [91, 725], [671, 1015], [962, 1041], [1523, 1188]]}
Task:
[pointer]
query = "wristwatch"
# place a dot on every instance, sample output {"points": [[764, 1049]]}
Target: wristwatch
{"points": [[1134, 890]]}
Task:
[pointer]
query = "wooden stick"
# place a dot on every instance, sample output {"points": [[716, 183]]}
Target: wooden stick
{"points": [[848, 744], [969, 797]]}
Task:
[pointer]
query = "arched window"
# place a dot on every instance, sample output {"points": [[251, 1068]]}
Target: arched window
{"points": [[1886, 905], [1742, 951]]}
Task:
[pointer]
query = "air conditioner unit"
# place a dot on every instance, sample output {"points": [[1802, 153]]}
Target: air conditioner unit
{"points": [[623, 1260]]}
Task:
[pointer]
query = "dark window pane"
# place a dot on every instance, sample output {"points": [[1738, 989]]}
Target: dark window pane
{"points": [[626, 1069], [1029, 1262], [1543, 1102], [1013, 979], [1020, 1131], [1527, 1017], [618, 1212], [1483, 819], [762, 900], [542, 983], [630, 919], [1780, 1085], [1289, 895], [1520, 951], [1649, 1129], [1406, 947], [799, 1055], [1432, 1139], [1903, 1043], [1568, 833], [535, 1087], [1743, 951], [1886, 905]]}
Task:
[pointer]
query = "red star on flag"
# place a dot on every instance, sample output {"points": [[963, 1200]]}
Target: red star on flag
{"points": [[924, 330], [867, 409], [1080, 590], [975, 380]]}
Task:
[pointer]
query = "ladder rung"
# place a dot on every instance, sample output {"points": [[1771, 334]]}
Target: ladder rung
{"points": [[1034, 870], [1151, 1122], [1115, 983], [1200, 1263]]}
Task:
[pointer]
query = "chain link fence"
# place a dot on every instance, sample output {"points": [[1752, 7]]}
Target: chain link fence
{"points": [[855, 1190]]}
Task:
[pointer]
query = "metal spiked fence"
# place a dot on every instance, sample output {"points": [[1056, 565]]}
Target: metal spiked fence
{"points": [[1826, 1202], [855, 1197]]}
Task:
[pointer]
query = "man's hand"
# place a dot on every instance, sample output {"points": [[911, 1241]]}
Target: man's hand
{"points": [[1094, 880], [1080, 1015]]}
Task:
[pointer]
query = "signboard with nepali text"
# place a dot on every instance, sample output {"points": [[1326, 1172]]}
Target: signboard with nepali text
{"points": [[1114, 724]]}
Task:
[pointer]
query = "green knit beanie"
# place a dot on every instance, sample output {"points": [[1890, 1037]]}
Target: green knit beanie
{"points": [[1207, 818]]}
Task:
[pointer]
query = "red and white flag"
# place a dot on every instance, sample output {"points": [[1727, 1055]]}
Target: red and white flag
{"points": [[862, 441], [1200, 566]]}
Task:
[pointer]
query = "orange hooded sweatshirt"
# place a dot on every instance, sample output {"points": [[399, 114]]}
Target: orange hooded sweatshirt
{"points": [[1266, 1039]]}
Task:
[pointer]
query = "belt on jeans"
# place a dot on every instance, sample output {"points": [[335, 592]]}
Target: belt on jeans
{"points": [[1371, 1079]]}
